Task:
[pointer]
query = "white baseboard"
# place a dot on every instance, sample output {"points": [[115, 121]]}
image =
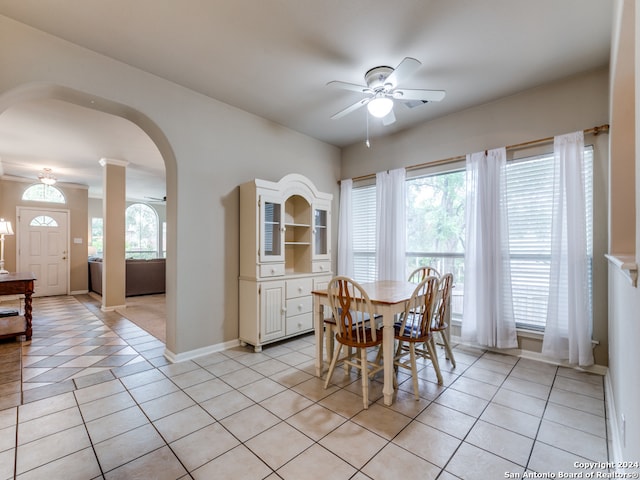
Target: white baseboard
{"points": [[112, 309], [516, 352], [79, 292], [199, 352], [615, 455]]}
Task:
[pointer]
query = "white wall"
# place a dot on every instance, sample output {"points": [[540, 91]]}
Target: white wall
{"points": [[209, 148], [575, 103]]}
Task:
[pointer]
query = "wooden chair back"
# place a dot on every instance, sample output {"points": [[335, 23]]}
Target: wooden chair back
{"points": [[441, 310], [415, 322], [353, 311], [421, 273]]}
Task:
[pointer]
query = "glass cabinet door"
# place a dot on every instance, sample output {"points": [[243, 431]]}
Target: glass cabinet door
{"points": [[320, 230], [271, 247]]}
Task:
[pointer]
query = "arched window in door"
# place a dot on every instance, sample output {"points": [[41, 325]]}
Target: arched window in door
{"points": [[141, 231], [43, 221]]}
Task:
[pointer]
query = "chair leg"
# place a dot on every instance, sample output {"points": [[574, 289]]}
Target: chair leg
{"points": [[336, 354], [379, 355], [365, 377], [347, 365], [431, 347], [414, 369], [447, 347]]}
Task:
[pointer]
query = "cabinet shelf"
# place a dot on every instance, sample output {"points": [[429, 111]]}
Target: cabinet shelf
{"points": [[297, 243], [297, 225]]}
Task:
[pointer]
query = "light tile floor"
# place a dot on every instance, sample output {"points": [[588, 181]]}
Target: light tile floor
{"points": [[91, 396]]}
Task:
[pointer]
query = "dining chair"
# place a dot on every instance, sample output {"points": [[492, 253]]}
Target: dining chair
{"points": [[356, 329], [413, 331], [421, 273], [441, 313]]}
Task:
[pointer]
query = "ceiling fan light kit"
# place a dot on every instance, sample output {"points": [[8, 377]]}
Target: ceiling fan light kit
{"points": [[380, 106], [382, 91]]}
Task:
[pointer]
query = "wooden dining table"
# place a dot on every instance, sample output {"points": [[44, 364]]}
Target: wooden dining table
{"points": [[388, 298]]}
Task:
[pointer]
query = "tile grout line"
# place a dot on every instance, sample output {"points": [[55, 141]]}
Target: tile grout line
{"points": [[477, 419], [546, 404]]}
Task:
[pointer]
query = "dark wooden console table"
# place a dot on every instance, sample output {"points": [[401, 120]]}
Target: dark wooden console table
{"points": [[20, 284]]}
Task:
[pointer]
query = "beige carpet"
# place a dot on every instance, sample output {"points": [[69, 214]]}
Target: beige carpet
{"points": [[148, 312]]}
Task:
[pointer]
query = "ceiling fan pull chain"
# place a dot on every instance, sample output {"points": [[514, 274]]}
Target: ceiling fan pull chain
{"points": [[367, 142]]}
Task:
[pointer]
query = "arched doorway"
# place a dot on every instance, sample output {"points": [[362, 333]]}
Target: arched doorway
{"points": [[69, 97]]}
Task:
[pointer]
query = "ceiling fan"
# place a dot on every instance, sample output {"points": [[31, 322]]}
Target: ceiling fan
{"points": [[157, 199], [383, 90]]}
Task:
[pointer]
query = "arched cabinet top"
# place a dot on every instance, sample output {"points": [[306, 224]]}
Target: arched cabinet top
{"points": [[294, 184]]}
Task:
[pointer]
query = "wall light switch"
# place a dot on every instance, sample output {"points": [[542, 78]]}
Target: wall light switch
{"points": [[77, 240]]}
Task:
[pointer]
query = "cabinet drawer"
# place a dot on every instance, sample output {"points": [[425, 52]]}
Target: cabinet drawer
{"points": [[320, 267], [321, 283], [272, 270], [296, 306], [299, 287], [299, 323]]}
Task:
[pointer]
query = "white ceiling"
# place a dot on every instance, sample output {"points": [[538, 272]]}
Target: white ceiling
{"points": [[273, 58]]}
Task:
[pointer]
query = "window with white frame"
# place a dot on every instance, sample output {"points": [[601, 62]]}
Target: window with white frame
{"points": [[364, 233], [435, 227], [96, 235], [436, 231], [529, 206], [40, 192], [141, 222]]}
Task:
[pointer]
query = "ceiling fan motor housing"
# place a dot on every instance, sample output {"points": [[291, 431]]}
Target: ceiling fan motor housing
{"points": [[376, 77]]}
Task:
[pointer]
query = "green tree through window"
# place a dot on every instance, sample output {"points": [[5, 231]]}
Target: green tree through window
{"points": [[141, 231]]}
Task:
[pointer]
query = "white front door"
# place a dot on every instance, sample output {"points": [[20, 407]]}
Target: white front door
{"points": [[44, 249]]}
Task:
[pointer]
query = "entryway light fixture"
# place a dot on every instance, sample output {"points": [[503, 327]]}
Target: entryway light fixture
{"points": [[5, 229], [46, 177]]}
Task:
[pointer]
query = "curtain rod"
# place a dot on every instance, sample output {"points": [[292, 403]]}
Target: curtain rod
{"points": [[594, 130]]}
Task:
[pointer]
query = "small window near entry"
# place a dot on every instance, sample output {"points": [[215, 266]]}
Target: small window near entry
{"points": [[43, 221], [43, 193]]}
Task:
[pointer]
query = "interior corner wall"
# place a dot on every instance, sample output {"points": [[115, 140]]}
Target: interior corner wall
{"points": [[624, 297], [216, 148]]}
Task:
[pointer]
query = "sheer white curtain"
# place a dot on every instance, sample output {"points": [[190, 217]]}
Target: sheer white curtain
{"points": [[345, 229], [391, 235], [567, 334], [488, 305]]}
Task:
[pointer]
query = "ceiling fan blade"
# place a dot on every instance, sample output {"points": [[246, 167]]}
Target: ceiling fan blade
{"points": [[349, 86], [389, 118], [417, 94], [404, 70], [351, 108]]}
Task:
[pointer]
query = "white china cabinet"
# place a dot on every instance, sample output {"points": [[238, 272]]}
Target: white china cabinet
{"points": [[285, 253]]}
